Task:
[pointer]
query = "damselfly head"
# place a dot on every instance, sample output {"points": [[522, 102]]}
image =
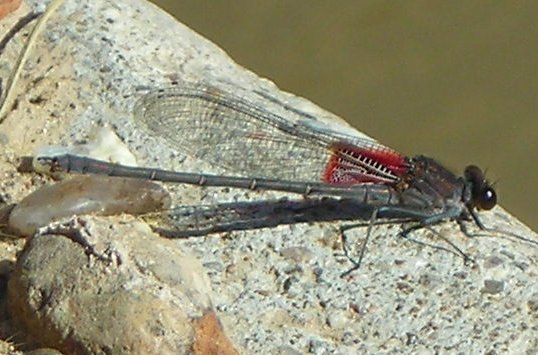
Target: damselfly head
{"points": [[483, 194]]}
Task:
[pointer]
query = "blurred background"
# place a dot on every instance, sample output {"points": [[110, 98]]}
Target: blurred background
{"points": [[457, 81]]}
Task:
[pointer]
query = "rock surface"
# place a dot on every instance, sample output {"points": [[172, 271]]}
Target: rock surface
{"points": [[274, 290], [112, 290]]}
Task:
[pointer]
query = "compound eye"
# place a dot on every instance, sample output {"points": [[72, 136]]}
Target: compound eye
{"points": [[483, 195], [486, 199]]}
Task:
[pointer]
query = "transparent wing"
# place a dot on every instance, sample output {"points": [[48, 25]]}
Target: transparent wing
{"points": [[190, 221], [240, 134]]}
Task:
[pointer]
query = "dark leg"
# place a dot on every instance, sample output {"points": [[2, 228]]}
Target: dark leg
{"points": [[356, 263], [454, 248]]}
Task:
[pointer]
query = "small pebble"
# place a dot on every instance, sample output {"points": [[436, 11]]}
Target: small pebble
{"points": [[492, 261], [493, 286], [337, 320], [297, 254], [100, 195]]}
